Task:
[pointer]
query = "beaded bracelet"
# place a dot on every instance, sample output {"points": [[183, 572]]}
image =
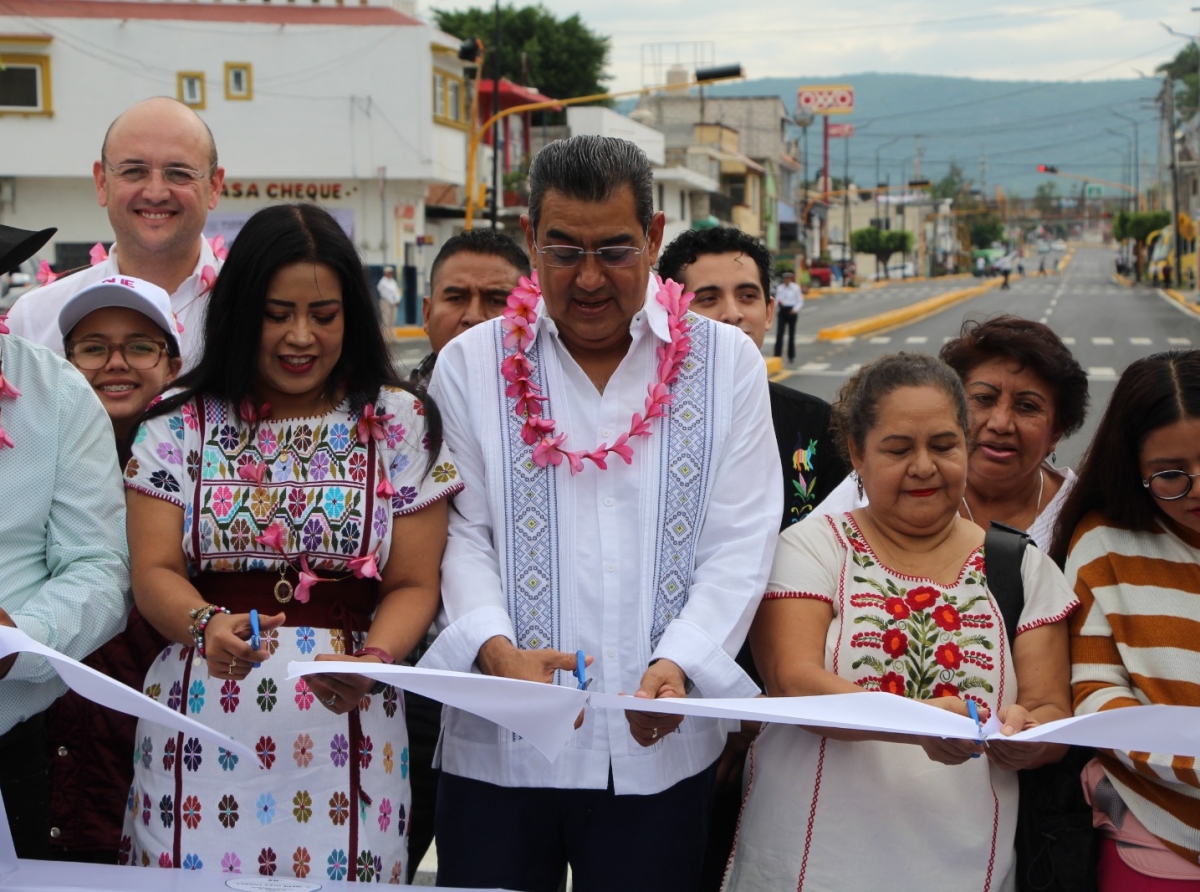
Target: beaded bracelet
{"points": [[200, 619], [384, 657]]}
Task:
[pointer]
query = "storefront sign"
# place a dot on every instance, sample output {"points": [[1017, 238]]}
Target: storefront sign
{"points": [[287, 191]]}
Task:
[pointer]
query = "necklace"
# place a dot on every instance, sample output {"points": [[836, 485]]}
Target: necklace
{"points": [[517, 368], [1037, 509]]}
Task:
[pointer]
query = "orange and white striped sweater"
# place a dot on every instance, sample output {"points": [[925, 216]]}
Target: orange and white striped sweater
{"points": [[1136, 640]]}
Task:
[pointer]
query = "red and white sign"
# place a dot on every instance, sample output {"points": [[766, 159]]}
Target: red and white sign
{"points": [[828, 99], [841, 131]]}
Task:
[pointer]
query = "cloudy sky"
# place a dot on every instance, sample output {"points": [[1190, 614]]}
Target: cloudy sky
{"points": [[994, 39]]}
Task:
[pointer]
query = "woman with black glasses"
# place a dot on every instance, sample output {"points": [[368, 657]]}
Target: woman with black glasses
{"points": [[1133, 527]]}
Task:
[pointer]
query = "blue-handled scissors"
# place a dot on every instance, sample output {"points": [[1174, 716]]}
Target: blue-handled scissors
{"points": [[580, 672], [255, 633], [978, 724]]}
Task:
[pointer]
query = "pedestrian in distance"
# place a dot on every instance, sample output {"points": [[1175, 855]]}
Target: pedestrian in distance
{"points": [[1004, 267], [65, 564], [849, 607], [1129, 535], [389, 300], [635, 578], [1042, 266], [789, 300], [157, 177], [292, 475]]}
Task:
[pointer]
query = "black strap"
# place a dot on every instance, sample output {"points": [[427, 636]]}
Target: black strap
{"points": [[1003, 550]]}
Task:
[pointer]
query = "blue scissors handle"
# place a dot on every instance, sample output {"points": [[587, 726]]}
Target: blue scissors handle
{"points": [[255, 633], [580, 672], [978, 725]]}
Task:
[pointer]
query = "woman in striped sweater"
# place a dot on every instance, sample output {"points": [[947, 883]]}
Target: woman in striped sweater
{"points": [[1133, 528]]}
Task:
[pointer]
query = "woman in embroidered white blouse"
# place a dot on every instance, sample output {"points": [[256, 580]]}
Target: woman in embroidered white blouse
{"points": [[892, 597]]}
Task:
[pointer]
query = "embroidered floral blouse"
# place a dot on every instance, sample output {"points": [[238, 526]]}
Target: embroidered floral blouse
{"points": [[333, 496]]}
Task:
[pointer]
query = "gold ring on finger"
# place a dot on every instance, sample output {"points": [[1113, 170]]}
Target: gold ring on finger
{"points": [[654, 735]]}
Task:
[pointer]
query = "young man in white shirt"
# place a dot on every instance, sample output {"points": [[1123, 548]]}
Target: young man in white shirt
{"points": [[652, 565], [789, 299], [389, 298], [158, 178]]}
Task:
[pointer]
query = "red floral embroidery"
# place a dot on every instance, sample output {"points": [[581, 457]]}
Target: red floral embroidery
{"points": [[945, 689], [892, 683], [895, 643], [922, 597], [946, 616], [948, 656], [897, 608]]}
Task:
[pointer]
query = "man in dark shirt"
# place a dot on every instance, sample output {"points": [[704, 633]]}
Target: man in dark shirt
{"points": [[471, 278], [729, 272]]}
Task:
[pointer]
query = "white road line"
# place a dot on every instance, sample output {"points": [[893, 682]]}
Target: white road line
{"points": [[813, 367], [1049, 311], [916, 339], [806, 339], [843, 340], [851, 369], [1070, 342], [1141, 342], [1043, 320], [947, 339], [1179, 342], [880, 340], [1101, 371], [1102, 342]]}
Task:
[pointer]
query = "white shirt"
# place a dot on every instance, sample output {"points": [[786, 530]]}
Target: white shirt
{"points": [[788, 294], [389, 291], [35, 314], [663, 558], [845, 497]]}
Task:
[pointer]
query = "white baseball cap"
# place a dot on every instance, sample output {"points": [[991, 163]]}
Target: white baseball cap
{"points": [[121, 291]]}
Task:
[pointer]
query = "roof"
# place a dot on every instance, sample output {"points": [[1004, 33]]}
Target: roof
{"points": [[510, 94], [267, 13]]}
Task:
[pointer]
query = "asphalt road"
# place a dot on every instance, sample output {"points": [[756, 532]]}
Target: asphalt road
{"points": [[1106, 324]]}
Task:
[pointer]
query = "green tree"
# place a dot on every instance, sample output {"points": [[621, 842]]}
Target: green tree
{"points": [[563, 58], [1143, 223], [953, 184], [986, 229], [1183, 72], [881, 244], [1045, 198]]}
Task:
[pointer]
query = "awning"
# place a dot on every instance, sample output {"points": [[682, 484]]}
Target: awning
{"points": [[510, 95]]}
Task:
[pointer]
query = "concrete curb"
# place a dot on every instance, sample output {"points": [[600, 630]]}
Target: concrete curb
{"points": [[1187, 305], [774, 365], [904, 315]]}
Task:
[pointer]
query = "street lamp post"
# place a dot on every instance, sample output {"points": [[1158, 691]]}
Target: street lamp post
{"points": [[804, 120], [703, 76], [496, 74], [1137, 160], [1125, 172]]}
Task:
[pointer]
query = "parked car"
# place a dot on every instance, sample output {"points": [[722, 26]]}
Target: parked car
{"points": [[1043, 246], [1058, 245]]}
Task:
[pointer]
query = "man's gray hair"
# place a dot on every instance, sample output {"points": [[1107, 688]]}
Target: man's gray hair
{"points": [[592, 168]]}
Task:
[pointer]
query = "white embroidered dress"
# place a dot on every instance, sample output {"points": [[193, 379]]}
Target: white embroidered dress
{"points": [[334, 801], [830, 815]]}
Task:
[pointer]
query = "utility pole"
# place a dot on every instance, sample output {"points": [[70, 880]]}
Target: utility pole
{"points": [[918, 153], [495, 111], [983, 172], [1169, 106]]}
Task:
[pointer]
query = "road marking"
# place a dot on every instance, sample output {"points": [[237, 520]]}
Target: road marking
{"points": [[849, 340], [916, 339], [1102, 342], [1070, 342], [813, 367], [1054, 301], [880, 340], [1179, 342], [806, 339], [947, 339], [851, 369], [1141, 342], [1101, 371], [1043, 320]]}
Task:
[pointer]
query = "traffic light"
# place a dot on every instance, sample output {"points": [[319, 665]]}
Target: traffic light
{"points": [[1047, 168]]}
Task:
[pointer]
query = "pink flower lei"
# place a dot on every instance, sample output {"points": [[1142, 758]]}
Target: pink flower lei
{"points": [[517, 369]]}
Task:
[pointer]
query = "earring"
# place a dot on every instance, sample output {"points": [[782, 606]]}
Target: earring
{"points": [[858, 482]]}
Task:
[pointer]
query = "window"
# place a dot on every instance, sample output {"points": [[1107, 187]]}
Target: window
{"points": [[25, 85], [189, 87], [439, 95], [449, 99], [239, 81]]}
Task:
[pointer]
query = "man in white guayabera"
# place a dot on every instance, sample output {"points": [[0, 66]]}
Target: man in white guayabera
{"points": [[623, 495]]}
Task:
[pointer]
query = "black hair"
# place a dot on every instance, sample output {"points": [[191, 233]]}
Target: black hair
{"points": [[692, 244], [592, 168], [1031, 345], [276, 237], [1152, 393], [481, 241], [856, 411]]}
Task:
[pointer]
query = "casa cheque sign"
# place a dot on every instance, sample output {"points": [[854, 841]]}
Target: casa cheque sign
{"points": [[827, 99], [841, 131]]}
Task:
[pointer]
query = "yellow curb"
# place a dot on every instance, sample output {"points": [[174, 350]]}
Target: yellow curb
{"points": [[774, 365], [904, 315], [1183, 301], [409, 331], [1128, 283]]}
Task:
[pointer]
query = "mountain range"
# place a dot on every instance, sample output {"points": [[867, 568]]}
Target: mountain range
{"points": [[1012, 126]]}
